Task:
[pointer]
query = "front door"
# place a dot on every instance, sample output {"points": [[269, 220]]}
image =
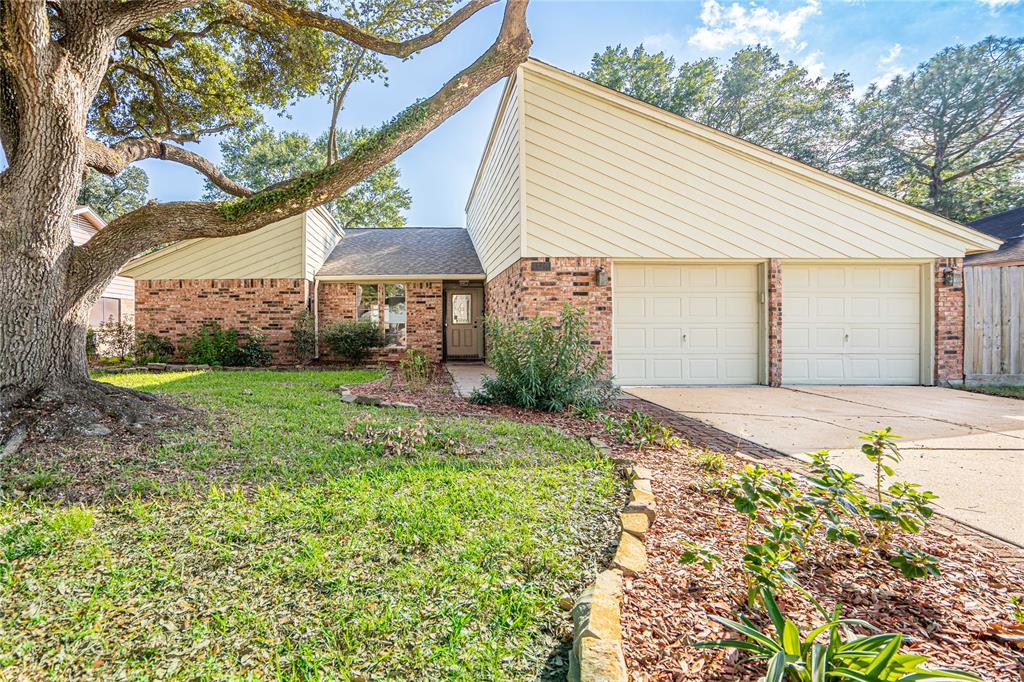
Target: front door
{"points": [[464, 323]]}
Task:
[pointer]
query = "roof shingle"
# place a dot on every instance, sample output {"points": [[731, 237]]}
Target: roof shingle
{"points": [[404, 251], [1008, 226]]}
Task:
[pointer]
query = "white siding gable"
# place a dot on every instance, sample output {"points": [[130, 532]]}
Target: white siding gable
{"points": [[493, 213], [608, 176], [322, 235]]}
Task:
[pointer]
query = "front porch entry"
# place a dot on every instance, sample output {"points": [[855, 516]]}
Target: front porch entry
{"points": [[463, 321]]}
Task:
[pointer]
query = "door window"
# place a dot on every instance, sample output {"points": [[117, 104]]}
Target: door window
{"points": [[461, 308]]}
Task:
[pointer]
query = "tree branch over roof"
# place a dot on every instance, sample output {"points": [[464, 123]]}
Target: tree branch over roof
{"points": [[155, 223], [292, 14]]}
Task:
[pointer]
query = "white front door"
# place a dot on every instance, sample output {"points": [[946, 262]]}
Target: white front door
{"points": [[685, 324], [851, 324]]}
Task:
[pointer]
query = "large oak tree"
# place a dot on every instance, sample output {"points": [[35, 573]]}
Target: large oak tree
{"points": [[99, 84]]}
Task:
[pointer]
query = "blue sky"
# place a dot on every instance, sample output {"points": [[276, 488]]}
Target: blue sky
{"points": [[871, 39]]}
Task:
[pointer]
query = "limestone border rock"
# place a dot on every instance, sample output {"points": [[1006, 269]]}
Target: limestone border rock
{"points": [[596, 654]]}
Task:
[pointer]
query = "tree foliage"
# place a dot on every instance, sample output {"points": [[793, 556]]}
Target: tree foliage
{"points": [[261, 158], [949, 137], [116, 195]]}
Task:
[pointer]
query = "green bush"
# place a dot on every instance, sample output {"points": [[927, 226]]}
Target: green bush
{"points": [[152, 348], [415, 368], [211, 345], [304, 336], [353, 339], [545, 365]]}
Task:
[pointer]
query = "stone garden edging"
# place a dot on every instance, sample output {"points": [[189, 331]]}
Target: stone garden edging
{"points": [[596, 654]]}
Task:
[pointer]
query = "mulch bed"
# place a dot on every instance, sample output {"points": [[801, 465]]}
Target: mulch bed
{"points": [[950, 618]]}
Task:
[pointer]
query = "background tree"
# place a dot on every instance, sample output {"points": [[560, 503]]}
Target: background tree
{"points": [[102, 85], [953, 127], [260, 158], [113, 196]]}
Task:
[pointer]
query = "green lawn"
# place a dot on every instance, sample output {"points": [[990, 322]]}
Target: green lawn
{"points": [[293, 536], [1004, 391]]}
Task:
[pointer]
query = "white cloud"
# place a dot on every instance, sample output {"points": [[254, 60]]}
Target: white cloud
{"points": [[740, 25], [997, 4], [889, 66], [812, 62], [662, 42]]}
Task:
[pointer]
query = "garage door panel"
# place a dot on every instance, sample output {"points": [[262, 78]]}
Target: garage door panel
{"points": [[864, 327], [679, 324]]}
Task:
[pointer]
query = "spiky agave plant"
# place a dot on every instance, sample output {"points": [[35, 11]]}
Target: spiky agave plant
{"points": [[846, 656]]}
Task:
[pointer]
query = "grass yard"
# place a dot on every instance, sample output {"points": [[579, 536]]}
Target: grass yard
{"points": [[288, 535], [1002, 391]]}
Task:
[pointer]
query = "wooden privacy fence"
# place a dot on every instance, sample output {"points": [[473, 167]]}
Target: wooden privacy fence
{"points": [[994, 344]]}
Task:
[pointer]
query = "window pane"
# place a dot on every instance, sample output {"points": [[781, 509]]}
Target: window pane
{"points": [[461, 309], [394, 314], [367, 305], [111, 309]]}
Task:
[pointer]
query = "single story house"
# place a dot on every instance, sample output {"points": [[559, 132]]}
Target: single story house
{"points": [[1008, 226], [117, 302], [699, 258]]}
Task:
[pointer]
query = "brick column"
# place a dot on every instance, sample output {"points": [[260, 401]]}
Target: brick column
{"points": [[949, 322], [774, 295]]}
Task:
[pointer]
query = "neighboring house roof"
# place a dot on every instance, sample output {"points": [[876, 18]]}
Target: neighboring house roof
{"points": [[88, 214], [1008, 226], [403, 252]]}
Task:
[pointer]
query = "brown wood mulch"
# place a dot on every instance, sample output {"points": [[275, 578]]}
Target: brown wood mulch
{"points": [[953, 618]]}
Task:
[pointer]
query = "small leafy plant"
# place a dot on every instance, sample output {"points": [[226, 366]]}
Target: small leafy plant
{"points": [[415, 368], [212, 345], [695, 553], [791, 655], [544, 364], [116, 338], [152, 348], [304, 336], [710, 461], [353, 339], [640, 430]]}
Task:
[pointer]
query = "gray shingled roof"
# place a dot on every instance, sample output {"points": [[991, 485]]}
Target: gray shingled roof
{"points": [[403, 251], [1008, 226]]}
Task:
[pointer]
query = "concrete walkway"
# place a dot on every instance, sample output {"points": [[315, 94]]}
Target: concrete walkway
{"points": [[467, 376], [967, 448]]}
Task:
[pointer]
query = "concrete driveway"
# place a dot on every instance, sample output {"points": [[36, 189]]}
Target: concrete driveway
{"points": [[967, 448]]}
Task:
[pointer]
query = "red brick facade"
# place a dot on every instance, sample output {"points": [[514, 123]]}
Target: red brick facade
{"points": [[774, 295], [174, 307], [949, 322], [423, 326], [541, 286]]}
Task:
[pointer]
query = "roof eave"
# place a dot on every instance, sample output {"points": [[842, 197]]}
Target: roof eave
{"points": [[400, 278]]}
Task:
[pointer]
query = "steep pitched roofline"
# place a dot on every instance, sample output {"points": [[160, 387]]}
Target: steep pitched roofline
{"points": [[510, 83], [974, 240]]}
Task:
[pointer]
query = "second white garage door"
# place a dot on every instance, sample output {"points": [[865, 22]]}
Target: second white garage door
{"points": [[851, 324], [685, 324]]}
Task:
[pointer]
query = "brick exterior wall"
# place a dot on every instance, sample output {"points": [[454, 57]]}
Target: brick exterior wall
{"points": [[774, 296], [540, 286], [423, 324], [174, 307], [949, 323]]}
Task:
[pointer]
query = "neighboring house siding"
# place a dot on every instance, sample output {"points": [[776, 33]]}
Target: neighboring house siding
{"points": [[176, 307], [337, 301], [81, 230], [604, 179], [322, 234], [122, 288], [493, 211], [274, 252]]}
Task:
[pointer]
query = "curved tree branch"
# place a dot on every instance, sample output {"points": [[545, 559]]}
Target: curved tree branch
{"points": [[114, 159], [127, 15], [300, 16], [155, 223]]}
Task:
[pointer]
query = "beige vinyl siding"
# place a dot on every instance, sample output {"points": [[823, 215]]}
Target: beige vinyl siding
{"points": [[606, 179], [81, 230], [322, 234], [493, 211], [271, 251]]}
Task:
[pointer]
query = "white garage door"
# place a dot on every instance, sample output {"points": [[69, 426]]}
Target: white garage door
{"points": [[685, 324], [851, 324]]}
